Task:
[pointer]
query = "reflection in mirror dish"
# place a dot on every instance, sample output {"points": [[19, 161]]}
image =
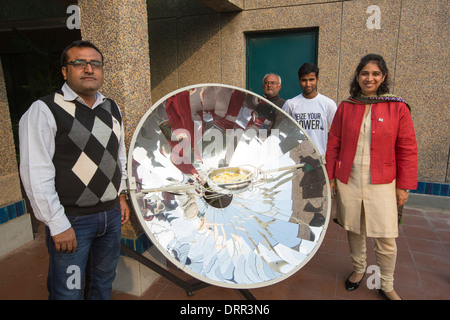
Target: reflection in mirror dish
{"points": [[227, 186]]}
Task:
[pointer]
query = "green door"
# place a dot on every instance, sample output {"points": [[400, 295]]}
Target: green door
{"points": [[280, 53]]}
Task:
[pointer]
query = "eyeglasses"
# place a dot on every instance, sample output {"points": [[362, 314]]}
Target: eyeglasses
{"points": [[81, 64], [272, 83]]}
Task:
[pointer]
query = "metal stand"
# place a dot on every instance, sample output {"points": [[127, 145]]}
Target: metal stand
{"points": [[189, 287]]}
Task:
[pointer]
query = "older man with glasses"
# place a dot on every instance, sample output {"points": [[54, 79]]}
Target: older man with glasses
{"points": [[271, 87], [73, 168]]}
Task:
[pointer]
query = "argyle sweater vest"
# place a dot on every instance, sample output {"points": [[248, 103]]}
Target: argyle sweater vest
{"points": [[88, 173]]}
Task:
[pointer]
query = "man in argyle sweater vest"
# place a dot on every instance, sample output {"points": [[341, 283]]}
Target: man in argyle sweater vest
{"points": [[88, 175], [73, 169]]}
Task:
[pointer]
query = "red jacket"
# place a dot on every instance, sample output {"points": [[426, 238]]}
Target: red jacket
{"points": [[393, 152]]}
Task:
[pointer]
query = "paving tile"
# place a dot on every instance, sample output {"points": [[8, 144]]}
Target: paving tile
{"points": [[422, 270], [436, 285], [426, 246], [443, 235], [419, 232], [428, 262]]}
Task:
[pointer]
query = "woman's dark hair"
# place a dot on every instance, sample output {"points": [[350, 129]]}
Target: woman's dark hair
{"points": [[308, 68], [80, 44], [355, 88]]}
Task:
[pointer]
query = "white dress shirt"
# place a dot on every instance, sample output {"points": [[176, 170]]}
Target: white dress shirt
{"points": [[37, 131]]}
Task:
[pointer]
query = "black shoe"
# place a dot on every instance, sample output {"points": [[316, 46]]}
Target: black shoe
{"points": [[352, 285], [383, 294]]}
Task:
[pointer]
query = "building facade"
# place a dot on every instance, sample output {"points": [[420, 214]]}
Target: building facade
{"points": [[209, 46], [155, 47]]}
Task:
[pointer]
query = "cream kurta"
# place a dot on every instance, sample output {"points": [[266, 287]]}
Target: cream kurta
{"points": [[379, 200]]}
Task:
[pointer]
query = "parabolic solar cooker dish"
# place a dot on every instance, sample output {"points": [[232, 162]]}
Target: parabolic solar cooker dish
{"points": [[228, 187]]}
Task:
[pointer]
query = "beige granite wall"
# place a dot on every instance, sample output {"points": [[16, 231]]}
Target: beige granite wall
{"points": [[224, 5], [410, 39], [15, 223], [262, 4], [187, 50], [164, 62], [358, 40], [326, 16], [9, 173], [422, 77], [119, 28], [210, 47]]}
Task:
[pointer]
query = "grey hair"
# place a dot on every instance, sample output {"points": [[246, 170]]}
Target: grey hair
{"points": [[279, 78]]}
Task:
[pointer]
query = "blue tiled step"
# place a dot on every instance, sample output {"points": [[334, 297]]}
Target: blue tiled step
{"points": [[12, 211], [432, 188]]}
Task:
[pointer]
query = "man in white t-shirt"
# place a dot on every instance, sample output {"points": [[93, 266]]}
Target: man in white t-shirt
{"points": [[313, 111]]}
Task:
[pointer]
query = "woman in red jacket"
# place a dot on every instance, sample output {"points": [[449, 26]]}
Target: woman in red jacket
{"points": [[371, 161]]}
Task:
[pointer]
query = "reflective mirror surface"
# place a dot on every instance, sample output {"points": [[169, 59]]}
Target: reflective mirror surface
{"points": [[227, 186]]}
